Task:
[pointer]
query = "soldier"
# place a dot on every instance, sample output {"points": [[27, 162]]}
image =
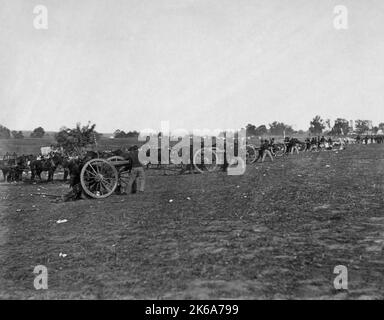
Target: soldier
{"points": [[271, 146], [264, 151], [293, 145], [308, 143], [76, 192], [137, 175]]}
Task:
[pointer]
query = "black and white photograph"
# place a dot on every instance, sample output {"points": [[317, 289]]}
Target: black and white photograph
{"points": [[191, 150]]}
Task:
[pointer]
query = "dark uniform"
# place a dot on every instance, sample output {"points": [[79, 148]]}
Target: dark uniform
{"points": [[264, 151], [137, 177]]}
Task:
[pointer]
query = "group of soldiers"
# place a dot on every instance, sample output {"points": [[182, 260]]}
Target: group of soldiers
{"points": [[370, 139], [294, 145]]}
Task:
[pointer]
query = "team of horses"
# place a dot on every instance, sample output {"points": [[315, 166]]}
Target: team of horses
{"points": [[13, 166]]}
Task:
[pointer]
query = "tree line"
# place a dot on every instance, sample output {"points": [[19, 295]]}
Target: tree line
{"points": [[317, 126], [6, 133], [39, 132]]}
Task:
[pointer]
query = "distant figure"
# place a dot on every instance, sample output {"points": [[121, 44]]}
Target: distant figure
{"points": [[308, 143], [137, 176], [293, 145], [264, 151]]}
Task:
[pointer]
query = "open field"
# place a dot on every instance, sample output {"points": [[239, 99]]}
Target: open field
{"points": [[276, 232], [32, 146]]}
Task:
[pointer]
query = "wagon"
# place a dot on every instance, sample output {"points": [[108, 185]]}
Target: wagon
{"points": [[100, 177]]}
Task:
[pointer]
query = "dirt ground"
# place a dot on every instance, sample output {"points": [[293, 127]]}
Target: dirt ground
{"points": [[276, 232]]}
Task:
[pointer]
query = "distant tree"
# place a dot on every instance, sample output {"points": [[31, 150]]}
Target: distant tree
{"points": [[362, 126], [289, 130], [280, 128], [77, 139], [39, 132], [375, 129], [381, 126], [341, 127], [261, 130], [119, 134], [250, 129], [17, 134], [328, 124], [132, 134], [5, 133], [316, 125], [122, 134]]}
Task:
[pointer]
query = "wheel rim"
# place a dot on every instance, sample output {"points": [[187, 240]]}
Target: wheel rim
{"points": [[209, 164], [99, 178], [251, 154], [280, 150]]}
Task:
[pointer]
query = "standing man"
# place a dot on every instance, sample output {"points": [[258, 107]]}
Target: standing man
{"points": [[293, 145], [264, 151], [137, 176]]}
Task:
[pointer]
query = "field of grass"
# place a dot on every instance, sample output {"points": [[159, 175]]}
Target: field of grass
{"points": [[32, 146], [276, 232]]}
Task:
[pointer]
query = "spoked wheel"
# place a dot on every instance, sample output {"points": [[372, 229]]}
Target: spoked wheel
{"points": [[280, 150], [302, 147], [314, 148], [99, 178], [251, 154], [205, 160]]}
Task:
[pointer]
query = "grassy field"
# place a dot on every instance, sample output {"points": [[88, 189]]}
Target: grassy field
{"points": [[32, 146], [276, 232]]}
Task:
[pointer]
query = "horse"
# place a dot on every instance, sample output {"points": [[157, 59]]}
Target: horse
{"points": [[5, 168], [13, 168], [49, 164]]}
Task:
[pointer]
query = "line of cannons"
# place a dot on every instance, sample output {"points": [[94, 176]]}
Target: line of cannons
{"points": [[101, 173]]}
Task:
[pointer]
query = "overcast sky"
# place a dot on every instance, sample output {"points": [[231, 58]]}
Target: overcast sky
{"points": [[129, 64]]}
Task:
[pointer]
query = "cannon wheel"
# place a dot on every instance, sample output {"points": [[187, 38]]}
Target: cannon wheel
{"points": [[208, 164], [251, 154], [280, 149], [99, 178], [302, 147]]}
